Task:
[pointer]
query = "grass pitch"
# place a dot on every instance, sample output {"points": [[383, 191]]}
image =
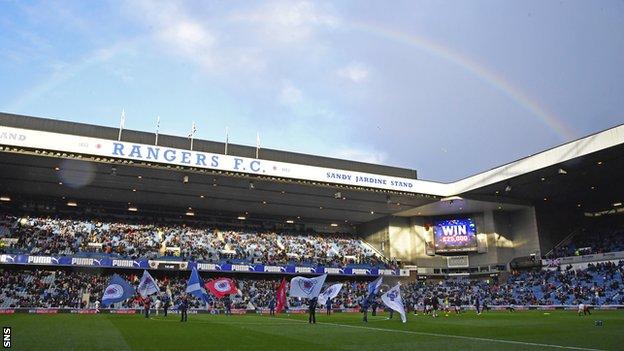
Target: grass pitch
{"points": [[526, 330]]}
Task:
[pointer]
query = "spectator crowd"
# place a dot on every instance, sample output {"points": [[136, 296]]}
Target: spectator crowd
{"points": [[587, 242], [61, 236], [598, 284]]}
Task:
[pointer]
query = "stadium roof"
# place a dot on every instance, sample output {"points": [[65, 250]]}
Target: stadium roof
{"points": [[564, 174]]}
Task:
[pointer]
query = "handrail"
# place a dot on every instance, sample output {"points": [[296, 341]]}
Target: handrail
{"points": [[564, 241]]}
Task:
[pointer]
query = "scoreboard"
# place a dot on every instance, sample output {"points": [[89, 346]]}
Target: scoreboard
{"points": [[455, 235]]}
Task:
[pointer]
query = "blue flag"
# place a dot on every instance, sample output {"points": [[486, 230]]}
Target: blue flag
{"points": [[117, 290], [373, 288], [195, 286]]}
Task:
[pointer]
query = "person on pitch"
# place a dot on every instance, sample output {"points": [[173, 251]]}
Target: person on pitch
{"points": [[147, 301], [166, 301], [312, 310], [457, 305], [427, 303], [435, 305], [328, 306], [374, 306], [364, 304], [272, 307], [227, 303], [157, 305], [183, 308]]}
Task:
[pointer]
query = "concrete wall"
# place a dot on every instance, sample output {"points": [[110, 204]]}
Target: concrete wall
{"points": [[524, 232], [376, 234]]}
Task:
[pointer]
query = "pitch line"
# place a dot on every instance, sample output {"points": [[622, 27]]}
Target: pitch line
{"points": [[203, 321], [456, 336]]}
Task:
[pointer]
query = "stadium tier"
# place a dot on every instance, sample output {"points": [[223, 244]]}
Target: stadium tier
{"points": [[588, 241], [41, 236]]}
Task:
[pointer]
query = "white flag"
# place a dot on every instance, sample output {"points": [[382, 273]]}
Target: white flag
{"points": [[329, 293], [122, 121], [193, 131], [307, 287], [147, 286], [392, 299], [192, 135]]}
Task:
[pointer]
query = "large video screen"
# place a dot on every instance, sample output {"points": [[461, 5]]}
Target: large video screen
{"points": [[455, 235]]}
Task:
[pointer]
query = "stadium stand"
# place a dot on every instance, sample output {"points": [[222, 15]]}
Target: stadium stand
{"points": [[588, 241], [65, 236]]}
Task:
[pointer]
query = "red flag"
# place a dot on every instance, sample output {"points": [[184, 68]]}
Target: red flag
{"points": [[281, 296], [221, 287]]}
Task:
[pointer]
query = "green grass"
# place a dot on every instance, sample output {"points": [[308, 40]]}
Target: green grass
{"points": [[526, 330]]}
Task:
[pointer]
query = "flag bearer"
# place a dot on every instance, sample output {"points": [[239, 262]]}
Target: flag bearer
{"points": [[312, 310], [147, 301]]}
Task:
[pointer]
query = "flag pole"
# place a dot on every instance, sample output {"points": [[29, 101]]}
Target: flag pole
{"points": [[157, 127], [122, 122], [257, 144], [227, 137]]}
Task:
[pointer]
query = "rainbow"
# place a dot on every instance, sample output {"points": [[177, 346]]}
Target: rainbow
{"points": [[486, 75]]}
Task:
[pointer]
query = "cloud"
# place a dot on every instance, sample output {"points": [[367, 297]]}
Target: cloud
{"points": [[288, 22], [354, 72], [188, 36], [290, 94], [183, 35], [252, 41]]}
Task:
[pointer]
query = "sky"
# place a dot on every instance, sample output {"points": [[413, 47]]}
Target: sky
{"points": [[448, 88]]}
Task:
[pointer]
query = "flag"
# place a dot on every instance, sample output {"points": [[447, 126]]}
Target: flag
{"points": [[307, 287], [221, 287], [329, 293], [117, 290], [392, 299], [373, 288], [281, 296], [122, 123], [147, 286], [194, 286], [192, 135], [193, 130]]}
